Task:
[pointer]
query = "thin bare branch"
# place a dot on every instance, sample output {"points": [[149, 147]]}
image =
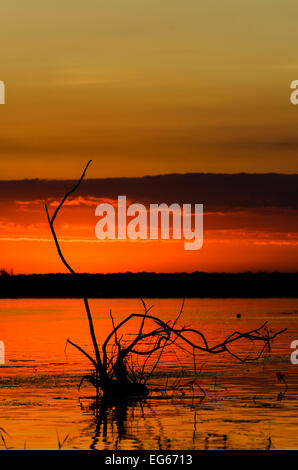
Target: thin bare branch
{"points": [[82, 351], [67, 265]]}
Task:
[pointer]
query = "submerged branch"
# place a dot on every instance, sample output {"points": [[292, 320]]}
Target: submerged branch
{"points": [[113, 374], [165, 330]]}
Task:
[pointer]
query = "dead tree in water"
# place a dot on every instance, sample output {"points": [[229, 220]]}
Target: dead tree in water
{"points": [[111, 370]]}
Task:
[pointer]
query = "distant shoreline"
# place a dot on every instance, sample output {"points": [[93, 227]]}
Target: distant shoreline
{"points": [[150, 285]]}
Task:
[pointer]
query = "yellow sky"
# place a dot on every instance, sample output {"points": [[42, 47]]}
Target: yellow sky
{"points": [[147, 87]]}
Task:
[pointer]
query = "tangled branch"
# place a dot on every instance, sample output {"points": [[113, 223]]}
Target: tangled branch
{"points": [[111, 362]]}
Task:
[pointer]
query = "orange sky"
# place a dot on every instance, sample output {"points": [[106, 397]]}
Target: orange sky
{"points": [[148, 88], [223, 256], [235, 238]]}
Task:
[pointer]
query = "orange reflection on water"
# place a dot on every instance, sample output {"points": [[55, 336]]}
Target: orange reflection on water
{"points": [[245, 405]]}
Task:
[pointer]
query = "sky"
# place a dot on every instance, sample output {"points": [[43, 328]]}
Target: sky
{"points": [[250, 224], [148, 88]]}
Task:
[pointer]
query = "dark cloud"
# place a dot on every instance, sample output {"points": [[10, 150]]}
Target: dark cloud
{"points": [[216, 191]]}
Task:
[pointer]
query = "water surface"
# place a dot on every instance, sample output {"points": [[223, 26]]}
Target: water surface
{"points": [[245, 407]]}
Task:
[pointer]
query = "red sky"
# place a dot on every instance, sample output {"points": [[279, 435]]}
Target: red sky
{"points": [[250, 223]]}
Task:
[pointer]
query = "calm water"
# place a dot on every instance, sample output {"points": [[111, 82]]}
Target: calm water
{"points": [[246, 407]]}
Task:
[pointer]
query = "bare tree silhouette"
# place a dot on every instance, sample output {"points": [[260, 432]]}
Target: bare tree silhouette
{"points": [[112, 374]]}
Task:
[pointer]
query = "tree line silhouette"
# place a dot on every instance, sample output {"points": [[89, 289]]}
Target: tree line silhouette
{"points": [[149, 285]]}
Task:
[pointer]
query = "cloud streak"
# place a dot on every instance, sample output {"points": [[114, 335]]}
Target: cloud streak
{"points": [[218, 192]]}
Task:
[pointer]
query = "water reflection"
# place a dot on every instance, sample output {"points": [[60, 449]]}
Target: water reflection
{"points": [[116, 422], [132, 423], [247, 406], [202, 424]]}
